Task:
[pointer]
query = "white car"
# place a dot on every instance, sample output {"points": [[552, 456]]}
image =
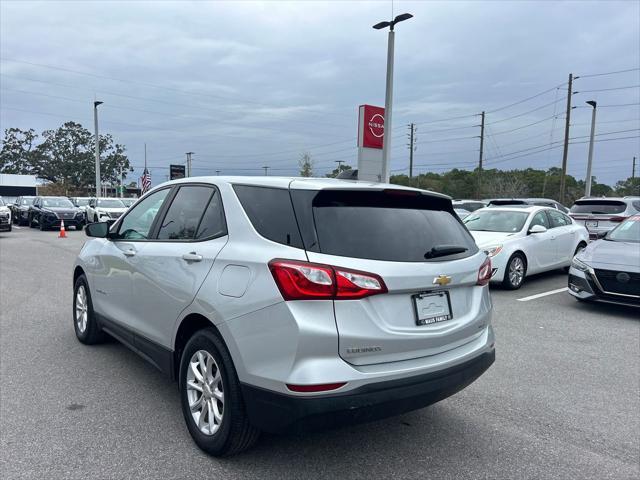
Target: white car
{"points": [[525, 240], [5, 217], [104, 209]]}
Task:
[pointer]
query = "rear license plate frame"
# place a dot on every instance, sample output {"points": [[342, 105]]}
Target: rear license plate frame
{"points": [[433, 319], [591, 223]]}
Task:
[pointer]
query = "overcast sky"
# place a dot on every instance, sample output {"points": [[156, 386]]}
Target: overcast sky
{"points": [[246, 84]]}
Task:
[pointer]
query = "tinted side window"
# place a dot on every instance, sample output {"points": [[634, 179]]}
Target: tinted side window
{"points": [[636, 205], [271, 213], [558, 219], [213, 223], [184, 214], [540, 218], [138, 221]]}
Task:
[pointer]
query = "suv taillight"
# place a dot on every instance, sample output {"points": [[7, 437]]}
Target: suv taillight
{"points": [[298, 280], [484, 273]]}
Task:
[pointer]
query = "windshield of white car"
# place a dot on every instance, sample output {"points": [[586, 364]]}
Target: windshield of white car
{"points": [[1, 203], [110, 203], [57, 202], [496, 221], [82, 202], [628, 231]]}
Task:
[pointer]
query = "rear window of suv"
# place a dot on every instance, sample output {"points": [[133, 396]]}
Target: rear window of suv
{"points": [[394, 225], [596, 207]]}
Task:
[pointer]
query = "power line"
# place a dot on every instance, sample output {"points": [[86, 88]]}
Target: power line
{"points": [[528, 111], [608, 89], [609, 73], [525, 99], [147, 84], [528, 125]]}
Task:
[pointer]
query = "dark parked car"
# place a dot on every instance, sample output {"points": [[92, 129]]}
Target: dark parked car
{"points": [[608, 270], [20, 210], [49, 212], [542, 202], [469, 205], [5, 217]]}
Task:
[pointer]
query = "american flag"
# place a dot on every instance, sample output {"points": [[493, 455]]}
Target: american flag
{"points": [[146, 181]]}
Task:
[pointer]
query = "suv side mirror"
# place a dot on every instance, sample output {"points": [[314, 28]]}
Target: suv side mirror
{"points": [[601, 235], [537, 229], [98, 230]]}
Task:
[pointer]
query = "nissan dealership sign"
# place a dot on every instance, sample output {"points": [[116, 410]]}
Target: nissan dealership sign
{"points": [[371, 126], [370, 135]]}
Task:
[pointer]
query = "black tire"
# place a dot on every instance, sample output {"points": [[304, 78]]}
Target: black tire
{"points": [[507, 282], [31, 224], [41, 224], [93, 333], [580, 246], [235, 433]]}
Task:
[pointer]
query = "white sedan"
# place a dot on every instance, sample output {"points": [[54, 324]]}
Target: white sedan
{"points": [[525, 240]]}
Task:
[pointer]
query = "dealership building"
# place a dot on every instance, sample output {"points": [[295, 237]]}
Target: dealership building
{"points": [[15, 185]]}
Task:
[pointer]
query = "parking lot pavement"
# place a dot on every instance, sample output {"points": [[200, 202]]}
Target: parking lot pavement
{"points": [[561, 401]]}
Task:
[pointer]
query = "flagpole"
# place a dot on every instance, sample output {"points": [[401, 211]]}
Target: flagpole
{"points": [[145, 156]]}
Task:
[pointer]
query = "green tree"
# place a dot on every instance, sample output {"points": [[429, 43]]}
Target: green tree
{"points": [[630, 186], [306, 165], [18, 151], [336, 171], [65, 155]]}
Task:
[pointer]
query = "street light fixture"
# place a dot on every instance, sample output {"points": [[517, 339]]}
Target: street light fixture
{"points": [[97, 149], [388, 98], [588, 179]]}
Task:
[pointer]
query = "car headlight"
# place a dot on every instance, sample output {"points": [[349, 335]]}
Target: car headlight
{"points": [[493, 250], [579, 265]]}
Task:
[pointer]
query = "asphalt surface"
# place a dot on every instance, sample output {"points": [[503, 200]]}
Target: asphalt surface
{"points": [[561, 401]]}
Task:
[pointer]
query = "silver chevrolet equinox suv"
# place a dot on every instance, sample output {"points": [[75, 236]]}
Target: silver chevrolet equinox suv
{"points": [[289, 304]]}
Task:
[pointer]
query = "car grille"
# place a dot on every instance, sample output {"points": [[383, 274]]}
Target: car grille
{"points": [[114, 215], [66, 215], [610, 280]]}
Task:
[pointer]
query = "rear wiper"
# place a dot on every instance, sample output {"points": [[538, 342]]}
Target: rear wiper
{"points": [[444, 250]]}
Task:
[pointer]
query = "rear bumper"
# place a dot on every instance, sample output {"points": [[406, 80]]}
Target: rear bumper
{"points": [[276, 412]]}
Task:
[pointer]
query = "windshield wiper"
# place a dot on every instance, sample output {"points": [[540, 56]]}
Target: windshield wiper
{"points": [[444, 250]]}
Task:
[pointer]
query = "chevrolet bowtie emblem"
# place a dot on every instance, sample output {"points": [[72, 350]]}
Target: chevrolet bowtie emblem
{"points": [[442, 280]]}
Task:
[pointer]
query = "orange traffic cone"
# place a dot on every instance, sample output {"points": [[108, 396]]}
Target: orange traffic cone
{"points": [[62, 233]]}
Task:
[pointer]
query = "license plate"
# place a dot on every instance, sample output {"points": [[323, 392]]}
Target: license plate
{"points": [[591, 223], [432, 307]]}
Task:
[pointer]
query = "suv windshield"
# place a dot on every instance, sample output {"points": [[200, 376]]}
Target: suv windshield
{"points": [[392, 225], [57, 202], [596, 207], [1, 203], [496, 221], [110, 203], [628, 231], [27, 201], [82, 202]]}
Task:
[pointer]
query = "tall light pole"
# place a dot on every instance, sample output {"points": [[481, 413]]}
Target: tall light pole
{"points": [[388, 98], [95, 121], [587, 188], [189, 163]]}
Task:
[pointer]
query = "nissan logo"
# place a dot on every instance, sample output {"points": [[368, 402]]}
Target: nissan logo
{"points": [[376, 125], [623, 277]]}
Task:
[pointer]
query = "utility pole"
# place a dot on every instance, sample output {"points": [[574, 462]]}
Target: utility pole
{"points": [[588, 179], [633, 169], [266, 168], [97, 150], [480, 157], [565, 150], [217, 172], [189, 163], [412, 147]]}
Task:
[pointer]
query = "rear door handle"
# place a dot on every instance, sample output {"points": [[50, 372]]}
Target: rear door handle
{"points": [[129, 252], [192, 257]]}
